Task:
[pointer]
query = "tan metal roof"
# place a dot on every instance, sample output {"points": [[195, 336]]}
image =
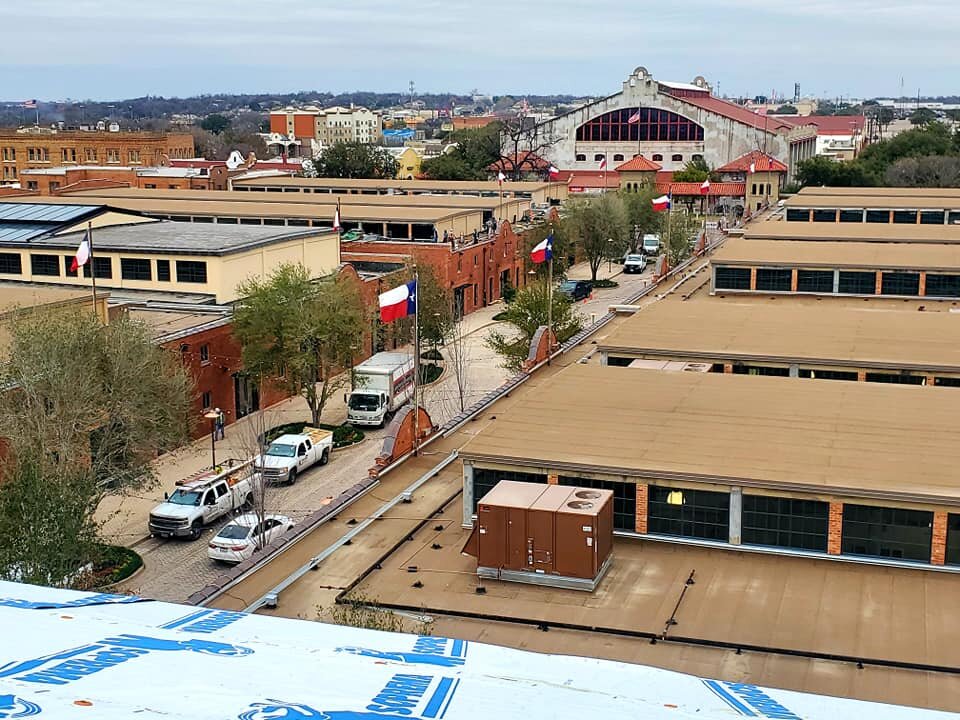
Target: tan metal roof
{"points": [[895, 199], [405, 185], [878, 192], [223, 208], [862, 232], [325, 199], [847, 254], [715, 329], [17, 295], [845, 438]]}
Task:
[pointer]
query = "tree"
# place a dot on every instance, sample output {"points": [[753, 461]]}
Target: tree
{"points": [[922, 116], [786, 110], [215, 123], [525, 315], [86, 408], [522, 143], [641, 217], [435, 312], [450, 166], [474, 151], [932, 171], [298, 333], [680, 237], [695, 170], [356, 160], [600, 226]]}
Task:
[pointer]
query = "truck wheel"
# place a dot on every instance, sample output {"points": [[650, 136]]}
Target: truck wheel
{"points": [[196, 530], [325, 456], [292, 477]]}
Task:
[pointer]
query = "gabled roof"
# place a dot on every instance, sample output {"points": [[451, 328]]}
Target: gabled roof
{"points": [[761, 162], [738, 113], [638, 164]]}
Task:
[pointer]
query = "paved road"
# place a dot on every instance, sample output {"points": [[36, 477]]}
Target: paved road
{"points": [[174, 569]]}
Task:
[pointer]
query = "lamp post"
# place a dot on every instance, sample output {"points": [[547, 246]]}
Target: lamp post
{"points": [[609, 258], [212, 416]]}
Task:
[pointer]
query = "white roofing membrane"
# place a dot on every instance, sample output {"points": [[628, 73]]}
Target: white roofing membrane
{"points": [[69, 654]]}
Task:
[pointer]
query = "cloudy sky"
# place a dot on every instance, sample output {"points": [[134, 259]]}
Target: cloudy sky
{"points": [[106, 49]]}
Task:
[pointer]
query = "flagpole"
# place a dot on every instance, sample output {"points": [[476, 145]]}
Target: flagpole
{"points": [[93, 275], [416, 361], [550, 303]]}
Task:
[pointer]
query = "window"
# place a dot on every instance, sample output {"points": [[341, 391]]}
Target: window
{"points": [[653, 125], [68, 155], [887, 532], [33, 185], [191, 271], [163, 270], [11, 264], [598, 157], [113, 155], [878, 216], [696, 158], [774, 279], [953, 539], [485, 479], [946, 381], [753, 189], [785, 522], [954, 217], [89, 154], [854, 282], [731, 278], [798, 215], [905, 217], [819, 374], [67, 262], [677, 158], [900, 283], [894, 378], [9, 154], [931, 217], [133, 157], [824, 215], [851, 216], [741, 369], [624, 499], [48, 265], [204, 354], [657, 157], [943, 285], [135, 269], [102, 268], [206, 400], [618, 158], [815, 281], [689, 513], [54, 186]]}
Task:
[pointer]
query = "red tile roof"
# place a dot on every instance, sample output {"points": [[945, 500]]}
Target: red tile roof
{"points": [[639, 164], [717, 189], [737, 112], [761, 161], [582, 179]]}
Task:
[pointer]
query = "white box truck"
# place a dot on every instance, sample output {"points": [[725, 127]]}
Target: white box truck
{"points": [[383, 384]]}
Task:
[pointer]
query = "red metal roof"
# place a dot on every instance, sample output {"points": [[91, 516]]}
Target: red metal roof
{"points": [[737, 112], [638, 164], [761, 161], [717, 189], [837, 124], [592, 179]]}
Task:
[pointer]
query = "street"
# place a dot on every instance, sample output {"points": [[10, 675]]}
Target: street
{"points": [[173, 569]]}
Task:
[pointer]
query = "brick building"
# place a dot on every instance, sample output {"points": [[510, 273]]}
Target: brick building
{"points": [[38, 148], [65, 179]]}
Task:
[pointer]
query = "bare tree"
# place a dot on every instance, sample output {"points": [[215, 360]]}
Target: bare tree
{"points": [[522, 143], [458, 360]]}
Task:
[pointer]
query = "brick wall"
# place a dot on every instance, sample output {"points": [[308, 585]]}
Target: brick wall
{"points": [[642, 497], [835, 528], [939, 545]]}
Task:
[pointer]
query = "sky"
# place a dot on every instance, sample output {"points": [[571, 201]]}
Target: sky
{"points": [[112, 49]]}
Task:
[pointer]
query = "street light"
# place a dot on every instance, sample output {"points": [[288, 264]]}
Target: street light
{"points": [[609, 259], [212, 416]]}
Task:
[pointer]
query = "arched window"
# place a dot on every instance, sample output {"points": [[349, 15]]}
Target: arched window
{"points": [[598, 157], [618, 158], [696, 158], [652, 126], [677, 158], [581, 157], [657, 157]]}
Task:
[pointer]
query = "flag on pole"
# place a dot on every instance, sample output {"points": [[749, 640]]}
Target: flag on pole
{"points": [[398, 303], [635, 118], [336, 218], [603, 163], [753, 168], [501, 177], [29, 104], [543, 251], [705, 187], [83, 253], [553, 172], [661, 203]]}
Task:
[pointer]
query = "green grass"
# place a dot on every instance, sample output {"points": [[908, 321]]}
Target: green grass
{"points": [[343, 435], [606, 284]]}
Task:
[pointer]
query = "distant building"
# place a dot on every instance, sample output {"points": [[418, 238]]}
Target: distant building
{"points": [[39, 148], [409, 160], [325, 127]]}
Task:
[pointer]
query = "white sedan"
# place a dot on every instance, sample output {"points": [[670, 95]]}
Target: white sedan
{"points": [[238, 540]]}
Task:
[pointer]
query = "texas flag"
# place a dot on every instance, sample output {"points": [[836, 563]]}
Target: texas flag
{"points": [[661, 203], [705, 187], [603, 163], [554, 173], [83, 253], [398, 303], [543, 251]]}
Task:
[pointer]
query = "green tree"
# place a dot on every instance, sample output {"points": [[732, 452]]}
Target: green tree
{"points": [[86, 408], [356, 160], [922, 116], [299, 333], [695, 170], [525, 315], [786, 110], [473, 152], [215, 123], [600, 227], [680, 237], [435, 308], [641, 217], [450, 166]]}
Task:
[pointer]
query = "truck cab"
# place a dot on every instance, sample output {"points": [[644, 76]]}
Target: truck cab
{"points": [[650, 244], [367, 407]]}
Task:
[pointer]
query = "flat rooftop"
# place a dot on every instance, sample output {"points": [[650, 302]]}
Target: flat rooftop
{"points": [[404, 185], [830, 334], [165, 236], [816, 253], [167, 325], [895, 199], [14, 295], [856, 439], [858, 232], [878, 192]]}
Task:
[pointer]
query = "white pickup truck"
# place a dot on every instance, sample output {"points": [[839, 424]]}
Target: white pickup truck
{"points": [[200, 500], [290, 455]]}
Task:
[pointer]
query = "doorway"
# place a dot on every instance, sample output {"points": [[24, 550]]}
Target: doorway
{"points": [[246, 395]]}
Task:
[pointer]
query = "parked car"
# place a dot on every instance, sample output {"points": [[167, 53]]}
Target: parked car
{"points": [[576, 289], [199, 501], [634, 263], [239, 539], [291, 454]]}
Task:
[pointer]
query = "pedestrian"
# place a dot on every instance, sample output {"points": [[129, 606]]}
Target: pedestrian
{"points": [[221, 423], [446, 237]]}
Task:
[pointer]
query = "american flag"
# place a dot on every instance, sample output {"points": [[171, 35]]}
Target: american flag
{"points": [[635, 118], [29, 104]]}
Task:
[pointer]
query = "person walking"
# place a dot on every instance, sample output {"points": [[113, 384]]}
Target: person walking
{"points": [[221, 424]]}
